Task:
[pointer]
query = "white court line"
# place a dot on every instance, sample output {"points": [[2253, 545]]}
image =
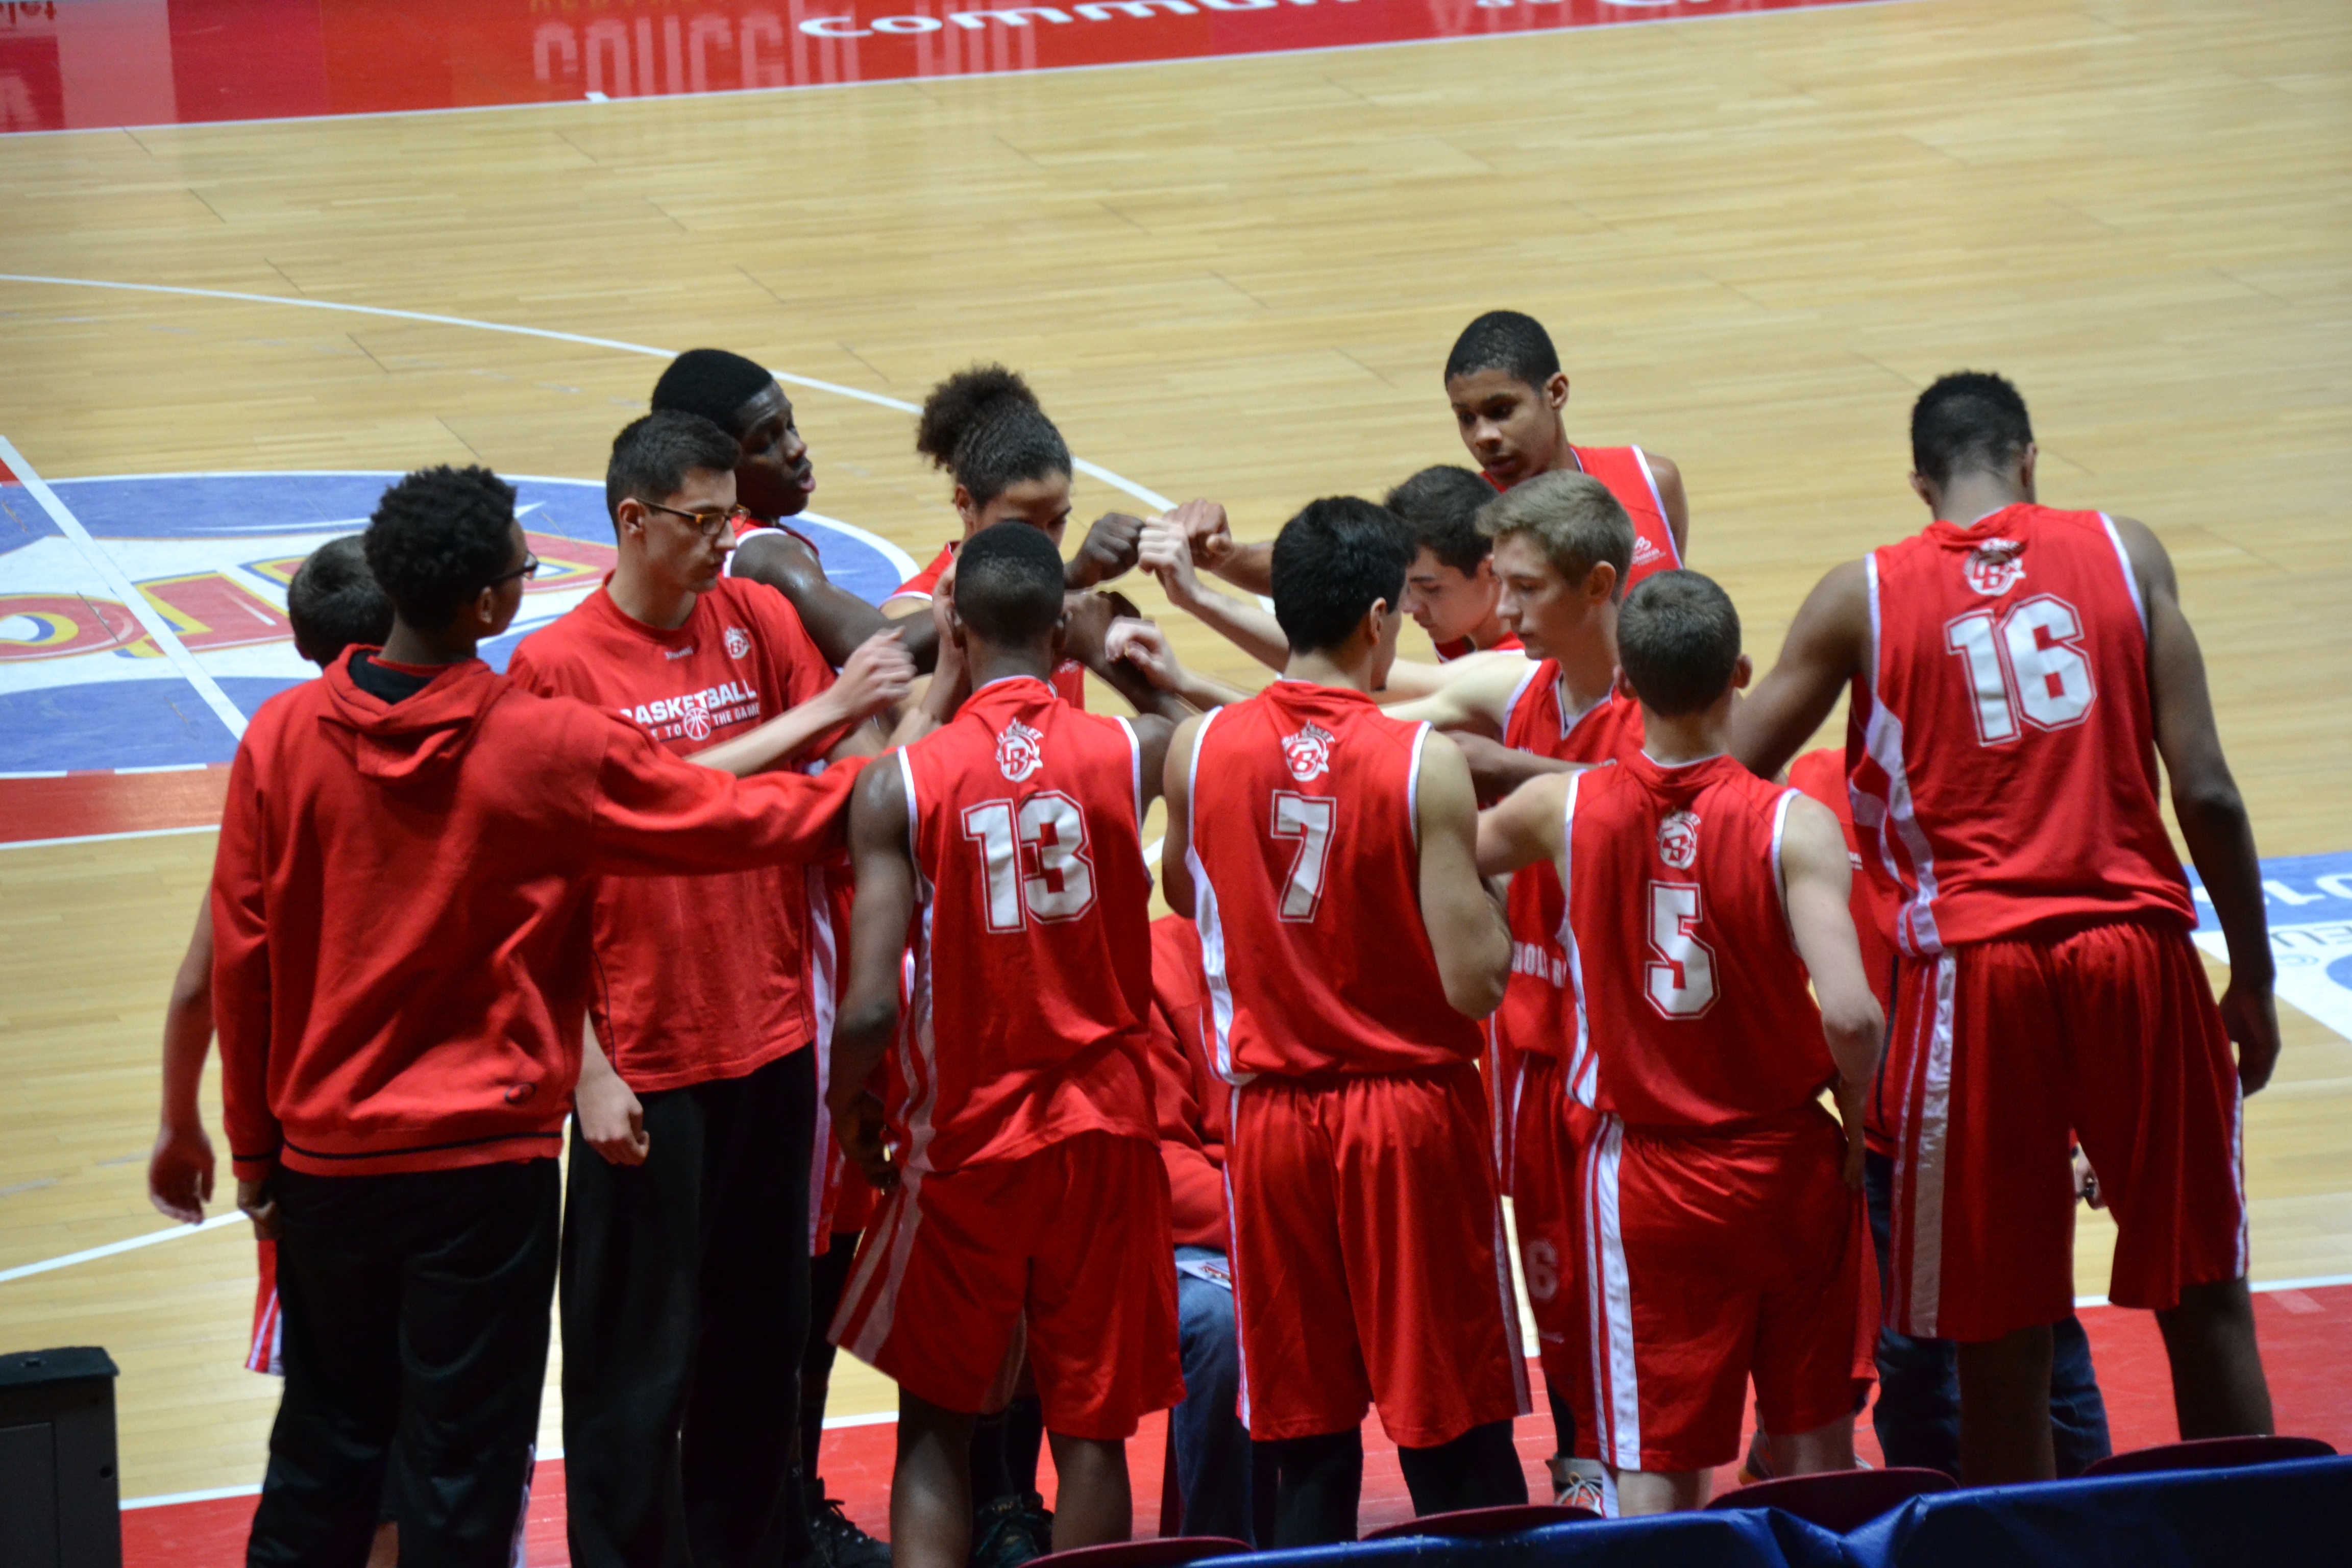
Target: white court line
{"points": [[106, 838], [120, 584], [1149, 498], [128, 1245]]}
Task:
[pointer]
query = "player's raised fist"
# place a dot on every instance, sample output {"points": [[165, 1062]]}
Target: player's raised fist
{"points": [[1108, 551]]}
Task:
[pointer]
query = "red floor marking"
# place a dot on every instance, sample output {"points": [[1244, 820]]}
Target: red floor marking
{"points": [[144, 62], [2306, 1350], [79, 803]]}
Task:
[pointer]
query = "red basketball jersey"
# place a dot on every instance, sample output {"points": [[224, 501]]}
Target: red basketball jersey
{"points": [[1626, 471], [1307, 860], [1069, 676], [1029, 1014], [1685, 977], [1463, 648], [1534, 1014], [2004, 746]]}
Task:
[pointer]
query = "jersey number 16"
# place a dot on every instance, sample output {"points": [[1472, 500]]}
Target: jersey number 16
{"points": [[2031, 660]]}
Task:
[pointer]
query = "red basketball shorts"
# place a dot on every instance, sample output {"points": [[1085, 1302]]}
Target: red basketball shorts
{"points": [[1548, 1135], [2003, 1052], [1369, 1261], [264, 1349], [1074, 1238], [1712, 1260]]}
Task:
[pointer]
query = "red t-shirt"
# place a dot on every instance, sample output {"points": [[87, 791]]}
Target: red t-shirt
{"points": [[1686, 981], [1194, 1104], [1069, 676], [1032, 988], [705, 977], [1533, 1017], [2004, 744], [1626, 471], [1305, 857]]}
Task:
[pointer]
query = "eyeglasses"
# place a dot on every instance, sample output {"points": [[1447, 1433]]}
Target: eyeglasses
{"points": [[529, 569], [710, 525]]}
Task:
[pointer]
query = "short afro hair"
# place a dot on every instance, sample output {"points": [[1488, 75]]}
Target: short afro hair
{"points": [[1439, 507], [438, 537], [1008, 585], [1969, 421], [1678, 642], [1330, 563], [653, 454], [712, 383], [1508, 341], [333, 602], [983, 426], [1574, 521]]}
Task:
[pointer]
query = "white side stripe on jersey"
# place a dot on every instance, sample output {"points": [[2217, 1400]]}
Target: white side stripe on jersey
{"points": [[2131, 578], [1412, 784], [1919, 1161], [1882, 738], [1204, 913], [1618, 1400], [1658, 500], [1581, 1080], [1233, 1255]]}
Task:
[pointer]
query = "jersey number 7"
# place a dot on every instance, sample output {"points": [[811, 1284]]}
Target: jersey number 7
{"points": [[1307, 818], [1034, 859]]}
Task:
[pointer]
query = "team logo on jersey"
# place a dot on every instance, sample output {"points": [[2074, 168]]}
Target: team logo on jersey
{"points": [[1993, 567], [1307, 753], [1678, 839], [1017, 752], [739, 643]]}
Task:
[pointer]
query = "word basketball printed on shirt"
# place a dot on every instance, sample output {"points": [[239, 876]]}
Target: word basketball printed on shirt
{"points": [[695, 715]]}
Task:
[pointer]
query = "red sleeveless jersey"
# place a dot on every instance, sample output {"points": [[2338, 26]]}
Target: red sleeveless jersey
{"points": [[1069, 676], [1029, 1014], [1534, 1016], [2003, 748], [1306, 862], [1626, 471], [1685, 974]]}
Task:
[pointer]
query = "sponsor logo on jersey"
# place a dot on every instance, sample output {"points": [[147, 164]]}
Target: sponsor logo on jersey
{"points": [[1543, 962], [1643, 551], [1678, 839], [1994, 568], [1308, 754], [677, 653], [739, 643], [1018, 753]]}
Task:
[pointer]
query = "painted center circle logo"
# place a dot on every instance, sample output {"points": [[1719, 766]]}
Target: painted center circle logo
{"points": [[84, 685]]}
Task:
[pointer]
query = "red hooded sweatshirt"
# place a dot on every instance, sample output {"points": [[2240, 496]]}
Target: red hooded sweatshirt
{"points": [[400, 910]]}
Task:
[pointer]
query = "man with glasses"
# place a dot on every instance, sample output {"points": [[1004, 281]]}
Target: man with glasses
{"points": [[685, 1268]]}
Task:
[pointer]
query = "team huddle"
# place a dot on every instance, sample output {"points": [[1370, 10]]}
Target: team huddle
{"points": [[1792, 1067]]}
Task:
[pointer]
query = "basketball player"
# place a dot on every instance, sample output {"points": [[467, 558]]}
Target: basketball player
{"points": [[405, 864], [1508, 392], [686, 1265], [2017, 672], [1723, 1220], [1326, 851], [1563, 546], [1024, 1174]]}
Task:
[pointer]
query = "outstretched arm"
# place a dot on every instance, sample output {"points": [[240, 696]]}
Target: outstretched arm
{"points": [[1527, 827], [1176, 788], [882, 857], [1817, 879], [2211, 813], [1248, 628], [1466, 924], [180, 1171], [1144, 647], [1152, 734], [838, 621], [876, 677], [1210, 538], [1827, 647]]}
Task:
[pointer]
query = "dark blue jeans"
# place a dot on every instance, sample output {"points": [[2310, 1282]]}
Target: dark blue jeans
{"points": [[1918, 1410], [1212, 1448]]}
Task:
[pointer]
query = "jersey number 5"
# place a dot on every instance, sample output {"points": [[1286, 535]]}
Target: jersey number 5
{"points": [[1034, 859], [1680, 978], [1307, 818], [2031, 660]]}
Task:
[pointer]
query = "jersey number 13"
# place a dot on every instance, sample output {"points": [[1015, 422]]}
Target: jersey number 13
{"points": [[1034, 859]]}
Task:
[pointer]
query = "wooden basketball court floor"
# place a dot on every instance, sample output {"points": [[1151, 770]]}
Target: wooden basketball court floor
{"points": [[1755, 237]]}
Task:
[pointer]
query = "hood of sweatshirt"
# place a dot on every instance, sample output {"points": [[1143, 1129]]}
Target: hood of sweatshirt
{"points": [[416, 737]]}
